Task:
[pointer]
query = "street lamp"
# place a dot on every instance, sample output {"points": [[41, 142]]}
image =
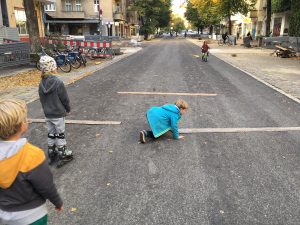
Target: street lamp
{"points": [[100, 21]]}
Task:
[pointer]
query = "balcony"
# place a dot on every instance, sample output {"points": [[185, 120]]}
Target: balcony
{"points": [[69, 13], [132, 17], [118, 16]]}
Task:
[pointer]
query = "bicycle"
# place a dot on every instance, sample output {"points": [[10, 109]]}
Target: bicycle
{"points": [[227, 42], [61, 60], [204, 56], [94, 51], [71, 55]]}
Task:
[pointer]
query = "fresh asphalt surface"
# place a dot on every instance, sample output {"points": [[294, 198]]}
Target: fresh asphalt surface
{"points": [[208, 178]]}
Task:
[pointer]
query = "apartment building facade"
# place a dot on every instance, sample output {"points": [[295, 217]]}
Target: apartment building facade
{"points": [[279, 21], [88, 17], [12, 15]]}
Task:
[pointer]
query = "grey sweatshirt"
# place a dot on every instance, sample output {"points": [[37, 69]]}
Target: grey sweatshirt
{"points": [[54, 97]]}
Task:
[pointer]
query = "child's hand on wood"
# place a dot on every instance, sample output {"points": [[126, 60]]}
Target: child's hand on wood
{"points": [[181, 137]]}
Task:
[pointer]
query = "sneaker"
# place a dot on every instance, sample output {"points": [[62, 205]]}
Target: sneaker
{"points": [[142, 137]]}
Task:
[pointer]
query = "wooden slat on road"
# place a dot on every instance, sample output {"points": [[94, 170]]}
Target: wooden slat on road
{"points": [[82, 122], [166, 93], [237, 130]]}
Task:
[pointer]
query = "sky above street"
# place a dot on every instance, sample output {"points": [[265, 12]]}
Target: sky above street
{"points": [[176, 6]]}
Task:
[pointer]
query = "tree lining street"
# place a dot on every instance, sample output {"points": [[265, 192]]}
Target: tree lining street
{"points": [[209, 178]]}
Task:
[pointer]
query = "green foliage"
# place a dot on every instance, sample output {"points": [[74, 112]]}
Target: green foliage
{"points": [[193, 16], [153, 14], [231, 7], [178, 25], [280, 5], [295, 19]]}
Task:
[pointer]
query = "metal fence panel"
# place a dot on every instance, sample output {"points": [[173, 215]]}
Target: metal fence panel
{"points": [[13, 54]]}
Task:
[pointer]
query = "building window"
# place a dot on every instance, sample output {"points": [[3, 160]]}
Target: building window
{"points": [[68, 5], [78, 5], [21, 21], [96, 4], [50, 7]]}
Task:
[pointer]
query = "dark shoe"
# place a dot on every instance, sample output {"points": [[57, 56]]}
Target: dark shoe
{"points": [[142, 137], [52, 154]]}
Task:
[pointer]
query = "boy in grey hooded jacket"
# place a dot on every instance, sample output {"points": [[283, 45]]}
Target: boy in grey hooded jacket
{"points": [[56, 105]]}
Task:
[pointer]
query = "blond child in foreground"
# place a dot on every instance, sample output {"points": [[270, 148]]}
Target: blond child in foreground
{"points": [[26, 181]]}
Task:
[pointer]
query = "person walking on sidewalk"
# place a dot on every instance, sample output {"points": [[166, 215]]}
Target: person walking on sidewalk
{"points": [[225, 36], [56, 105], [26, 181], [163, 119]]}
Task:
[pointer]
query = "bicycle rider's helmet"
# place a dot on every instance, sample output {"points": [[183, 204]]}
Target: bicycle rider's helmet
{"points": [[47, 64]]}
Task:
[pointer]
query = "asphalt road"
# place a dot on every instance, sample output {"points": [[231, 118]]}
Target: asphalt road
{"points": [[208, 178]]}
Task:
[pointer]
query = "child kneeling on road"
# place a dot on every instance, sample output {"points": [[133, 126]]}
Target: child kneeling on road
{"points": [[26, 181], [56, 105], [163, 119]]}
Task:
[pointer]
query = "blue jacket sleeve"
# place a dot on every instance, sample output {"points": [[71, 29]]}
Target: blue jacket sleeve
{"points": [[174, 127]]}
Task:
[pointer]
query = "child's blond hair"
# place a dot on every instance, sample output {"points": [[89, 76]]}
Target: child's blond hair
{"points": [[181, 104], [13, 113]]}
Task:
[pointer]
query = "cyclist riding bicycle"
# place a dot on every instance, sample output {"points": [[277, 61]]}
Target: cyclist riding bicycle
{"points": [[225, 36], [204, 50]]}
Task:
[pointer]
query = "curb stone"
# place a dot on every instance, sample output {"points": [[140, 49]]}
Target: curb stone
{"points": [[30, 93]]}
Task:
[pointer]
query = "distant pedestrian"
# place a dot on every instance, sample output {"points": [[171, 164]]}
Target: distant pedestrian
{"points": [[56, 105], [225, 36], [249, 35], [185, 34], [163, 119], [26, 181]]}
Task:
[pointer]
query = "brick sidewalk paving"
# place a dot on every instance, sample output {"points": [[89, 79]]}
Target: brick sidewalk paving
{"points": [[281, 73], [30, 93]]}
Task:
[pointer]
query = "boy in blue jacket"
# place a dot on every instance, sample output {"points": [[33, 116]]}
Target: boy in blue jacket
{"points": [[164, 118]]}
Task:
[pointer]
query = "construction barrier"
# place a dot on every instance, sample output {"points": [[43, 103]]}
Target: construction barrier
{"points": [[86, 45]]}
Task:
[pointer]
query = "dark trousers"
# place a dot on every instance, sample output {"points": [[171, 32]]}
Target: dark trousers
{"points": [[149, 134]]}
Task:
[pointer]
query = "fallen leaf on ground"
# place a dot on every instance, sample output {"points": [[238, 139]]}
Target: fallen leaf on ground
{"points": [[73, 209]]}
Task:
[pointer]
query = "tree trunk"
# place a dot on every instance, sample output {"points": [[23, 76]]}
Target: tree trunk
{"points": [[229, 24], [198, 30], [32, 25], [268, 21]]}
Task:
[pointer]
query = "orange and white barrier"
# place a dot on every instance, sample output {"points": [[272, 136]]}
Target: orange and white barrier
{"points": [[85, 44]]}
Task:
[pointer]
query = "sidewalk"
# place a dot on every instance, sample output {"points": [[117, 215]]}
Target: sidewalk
{"points": [[281, 73], [29, 92]]}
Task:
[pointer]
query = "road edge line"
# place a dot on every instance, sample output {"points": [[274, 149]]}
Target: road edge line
{"points": [[257, 78]]}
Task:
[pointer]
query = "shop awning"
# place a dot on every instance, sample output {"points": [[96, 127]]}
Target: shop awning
{"points": [[72, 21]]}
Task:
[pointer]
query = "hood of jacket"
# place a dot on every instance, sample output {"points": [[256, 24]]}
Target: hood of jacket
{"points": [[17, 157], [48, 84], [171, 108]]}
